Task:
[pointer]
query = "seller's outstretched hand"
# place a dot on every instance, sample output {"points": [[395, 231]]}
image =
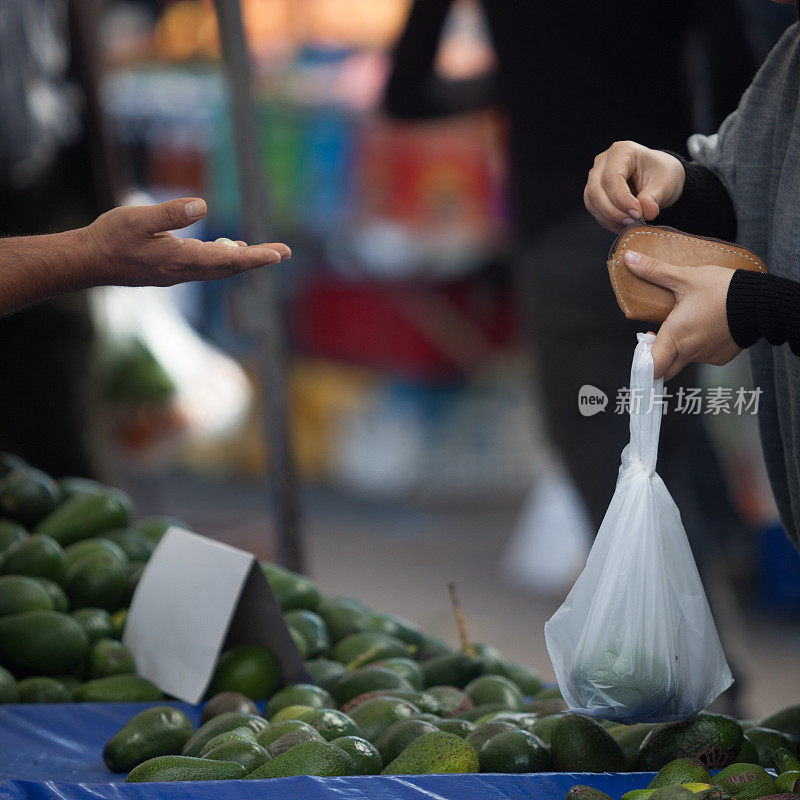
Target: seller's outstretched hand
{"points": [[697, 328], [132, 246], [629, 182]]}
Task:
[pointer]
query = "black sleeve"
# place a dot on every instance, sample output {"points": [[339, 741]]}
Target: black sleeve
{"points": [[705, 208], [764, 307], [413, 90]]}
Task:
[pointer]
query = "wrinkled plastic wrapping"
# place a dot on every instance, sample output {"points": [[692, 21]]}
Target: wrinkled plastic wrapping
{"points": [[635, 640], [52, 752]]}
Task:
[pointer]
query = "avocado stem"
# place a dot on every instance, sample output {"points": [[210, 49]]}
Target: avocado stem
{"points": [[466, 645]]}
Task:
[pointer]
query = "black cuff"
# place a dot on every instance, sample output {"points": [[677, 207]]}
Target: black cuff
{"points": [[704, 208], [763, 306]]}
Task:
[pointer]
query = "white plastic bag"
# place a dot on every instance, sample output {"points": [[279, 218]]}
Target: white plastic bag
{"points": [[635, 640]]}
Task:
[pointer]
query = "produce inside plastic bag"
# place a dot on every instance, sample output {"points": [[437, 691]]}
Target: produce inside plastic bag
{"points": [[635, 640]]}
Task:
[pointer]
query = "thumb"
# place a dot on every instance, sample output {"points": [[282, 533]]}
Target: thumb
{"points": [[169, 216], [650, 203], [665, 355], [655, 271]]}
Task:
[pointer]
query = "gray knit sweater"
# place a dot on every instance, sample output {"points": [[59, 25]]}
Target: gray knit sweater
{"points": [[756, 155]]}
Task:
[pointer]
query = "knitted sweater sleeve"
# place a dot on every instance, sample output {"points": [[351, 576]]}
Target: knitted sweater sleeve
{"points": [[758, 306], [764, 307], [705, 207]]}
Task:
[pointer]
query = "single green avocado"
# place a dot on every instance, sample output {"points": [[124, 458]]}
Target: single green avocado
{"points": [[158, 731], [514, 751], [41, 643], [249, 669], [108, 657], [364, 680], [365, 756], [312, 629], [43, 690], [27, 495], [330, 723], [767, 741], [712, 738], [298, 694], [291, 590], [374, 716], [434, 753], [745, 781], [84, 516], [581, 744], [308, 758], [219, 724], [118, 689], [249, 754], [452, 669], [399, 735], [362, 648], [36, 556], [787, 720], [184, 768], [681, 770], [580, 792], [20, 593], [784, 760], [494, 689]]}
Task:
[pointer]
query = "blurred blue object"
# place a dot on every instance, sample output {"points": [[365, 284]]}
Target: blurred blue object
{"points": [[329, 153], [54, 751], [779, 571]]}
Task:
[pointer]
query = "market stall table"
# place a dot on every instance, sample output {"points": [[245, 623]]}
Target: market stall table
{"points": [[54, 751]]}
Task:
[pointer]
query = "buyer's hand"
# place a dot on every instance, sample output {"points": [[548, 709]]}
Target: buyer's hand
{"points": [[629, 182], [132, 246], [697, 328]]}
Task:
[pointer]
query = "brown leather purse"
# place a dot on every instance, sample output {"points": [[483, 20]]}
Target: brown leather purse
{"points": [[647, 302]]}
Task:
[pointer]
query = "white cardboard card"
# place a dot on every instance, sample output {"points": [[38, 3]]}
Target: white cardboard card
{"points": [[195, 597]]}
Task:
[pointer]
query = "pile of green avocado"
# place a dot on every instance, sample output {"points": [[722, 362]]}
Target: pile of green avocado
{"points": [[70, 559], [688, 778], [380, 733], [382, 696], [386, 698]]}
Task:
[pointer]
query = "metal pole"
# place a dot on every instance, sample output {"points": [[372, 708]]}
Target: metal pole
{"points": [[271, 345]]}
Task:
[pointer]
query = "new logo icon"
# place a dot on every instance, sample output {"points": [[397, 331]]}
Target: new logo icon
{"points": [[591, 400]]}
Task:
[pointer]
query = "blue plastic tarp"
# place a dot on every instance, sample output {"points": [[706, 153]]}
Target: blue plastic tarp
{"points": [[54, 751]]}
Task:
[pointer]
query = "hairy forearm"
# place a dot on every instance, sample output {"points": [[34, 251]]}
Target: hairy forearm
{"points": [[34, 268], [129, 246]]}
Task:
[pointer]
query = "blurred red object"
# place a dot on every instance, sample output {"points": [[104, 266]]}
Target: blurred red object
{"points": [[409, 328]]}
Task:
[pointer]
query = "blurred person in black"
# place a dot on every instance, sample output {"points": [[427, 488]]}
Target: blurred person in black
{"points": [[570, 75], [57, 172]]}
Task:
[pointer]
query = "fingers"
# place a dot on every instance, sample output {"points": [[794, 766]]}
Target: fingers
{"points": [[620, 167], [629, 182], [607, 195], [284, 250], [168, 216], [209, 260], [655, 271]]}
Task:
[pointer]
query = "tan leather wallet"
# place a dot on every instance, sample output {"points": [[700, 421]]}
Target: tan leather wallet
{"points": [[647, 302]]}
